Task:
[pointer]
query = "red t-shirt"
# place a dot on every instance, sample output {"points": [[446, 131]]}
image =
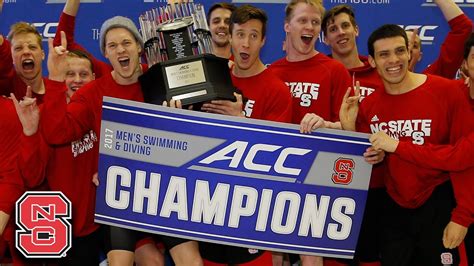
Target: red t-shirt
{"points": [[317, 85], [432, 113], [267, 97]]}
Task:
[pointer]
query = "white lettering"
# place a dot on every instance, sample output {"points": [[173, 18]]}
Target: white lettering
{"points": [[209, 208]]}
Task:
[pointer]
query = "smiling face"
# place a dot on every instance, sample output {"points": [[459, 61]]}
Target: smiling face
{"points": [[123, 50], [78, 73], [247, 40], [219, 25], [27, 55], [391, 59], [341, 35], [302, 28]]}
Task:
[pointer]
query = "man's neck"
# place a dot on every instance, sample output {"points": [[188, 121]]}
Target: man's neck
{"points": [[293, 56], [350, 60], [36, 84], [222, 51], [254, 70], [127, 81], [409, 83]]}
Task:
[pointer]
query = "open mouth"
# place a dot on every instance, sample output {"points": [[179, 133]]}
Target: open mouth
{"points": [[343, 41], [244, 56], [124, 62], [394, 70], [307, 38], [28, 64]]}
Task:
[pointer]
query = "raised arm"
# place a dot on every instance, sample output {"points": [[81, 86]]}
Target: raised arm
{"points": [[67, 23], [451, 52], [7, 71], [449, 9], [33, 150], [62, 122]]}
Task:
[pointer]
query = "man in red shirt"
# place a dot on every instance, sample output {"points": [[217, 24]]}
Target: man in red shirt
{"points": [[319, 94], [413, 107], [21, 57], [450, 158], [267, 97], [21, 166], [121, 44]]}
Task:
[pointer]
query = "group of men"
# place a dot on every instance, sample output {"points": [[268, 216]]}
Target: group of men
{"points": [[417, 211]]}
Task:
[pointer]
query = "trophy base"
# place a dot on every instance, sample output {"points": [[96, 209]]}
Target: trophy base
{"points": [[193, 79]]}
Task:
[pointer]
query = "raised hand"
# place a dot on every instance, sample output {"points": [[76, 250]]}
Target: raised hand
{"points": [[57, 62], [350, 108], [28, 112]]}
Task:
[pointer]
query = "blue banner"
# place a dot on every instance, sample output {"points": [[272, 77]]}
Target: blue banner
{"points": [[236, 181]]}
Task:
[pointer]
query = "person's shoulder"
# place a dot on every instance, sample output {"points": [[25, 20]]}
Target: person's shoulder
{"points": [[278, 63]]}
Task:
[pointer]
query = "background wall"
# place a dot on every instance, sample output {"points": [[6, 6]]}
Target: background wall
{"points": [[370, 14]]}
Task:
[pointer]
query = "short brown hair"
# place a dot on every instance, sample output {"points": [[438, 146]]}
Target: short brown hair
{"points": [[224, 5], [291, 7], [81, 55], [245, 13], [24, 28], [333, 12]]}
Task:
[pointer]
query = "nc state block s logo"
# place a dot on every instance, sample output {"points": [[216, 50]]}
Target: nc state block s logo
{"points": [[343, 171], [43, 222]]}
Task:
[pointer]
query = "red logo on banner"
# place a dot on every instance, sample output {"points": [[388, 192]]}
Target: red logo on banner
{"points": [[343, 171], [44, 227]]}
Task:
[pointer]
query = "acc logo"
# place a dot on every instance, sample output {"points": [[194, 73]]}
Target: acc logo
{"points": [[463, 3], [343, 171], [46, 30], [263, 158], [424, 31], [44, 230]]}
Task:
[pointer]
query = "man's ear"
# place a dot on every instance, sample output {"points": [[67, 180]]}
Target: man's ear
{"points": [[286, 27], [372, 62]]}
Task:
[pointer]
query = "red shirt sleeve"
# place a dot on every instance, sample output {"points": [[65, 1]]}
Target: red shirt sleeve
{"points": [[34, 155], [61, 122], [443, 157], [67, 24], [462, 124], [452, 50], [7, 71]]}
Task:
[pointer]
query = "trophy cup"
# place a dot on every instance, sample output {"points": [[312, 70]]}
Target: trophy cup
{"points": [[178, 48]]}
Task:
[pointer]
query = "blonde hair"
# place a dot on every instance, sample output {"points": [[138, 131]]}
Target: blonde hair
{"points": [[291, 6], [24, 28]]}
